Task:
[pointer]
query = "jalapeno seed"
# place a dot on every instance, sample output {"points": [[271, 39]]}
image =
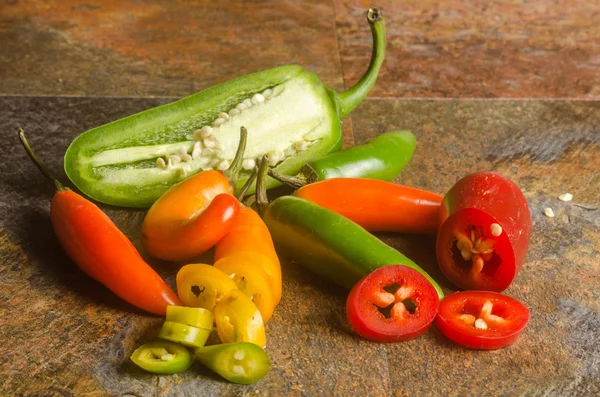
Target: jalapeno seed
{"points": [[218, 122], [248, 164]]}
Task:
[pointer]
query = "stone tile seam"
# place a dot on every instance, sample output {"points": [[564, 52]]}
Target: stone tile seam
{"points": [[471, 99]]}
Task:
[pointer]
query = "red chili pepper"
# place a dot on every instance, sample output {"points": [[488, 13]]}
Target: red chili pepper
{"points": [[377, 205], [485, 232], [392, 304], [101, 250], [192, 216], [481, 320]]}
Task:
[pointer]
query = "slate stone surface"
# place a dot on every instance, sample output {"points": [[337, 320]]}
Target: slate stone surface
{"points": [[436, 48], [64, 335], [478, 48]]}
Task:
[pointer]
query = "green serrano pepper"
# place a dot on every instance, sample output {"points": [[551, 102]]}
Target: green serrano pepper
{"points": [[383, 157], [328, 244], [288, 112]]}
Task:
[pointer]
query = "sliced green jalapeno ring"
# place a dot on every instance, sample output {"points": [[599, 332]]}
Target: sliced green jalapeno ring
{"points": [[383, 157], [193, 316], [241, 362], [162, 357], [288, 112], [184, 334]]}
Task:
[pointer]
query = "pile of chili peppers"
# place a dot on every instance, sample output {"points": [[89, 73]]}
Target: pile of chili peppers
{"points": [[483, 225]]}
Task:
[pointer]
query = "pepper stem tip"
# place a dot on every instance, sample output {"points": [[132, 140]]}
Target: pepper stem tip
{"points": [[236, 165], [43, 169], [346, 101], [262, 201], [295, 182]]}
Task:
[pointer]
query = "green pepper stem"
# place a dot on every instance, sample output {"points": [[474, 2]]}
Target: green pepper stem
{"points": [[348, 100], [247, 185], [236, 165], [58, 186], [295, 182], [262, 201]]}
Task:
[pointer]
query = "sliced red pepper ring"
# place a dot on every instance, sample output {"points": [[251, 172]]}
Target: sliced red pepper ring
{"points": [[482, 319], [393, 303]]}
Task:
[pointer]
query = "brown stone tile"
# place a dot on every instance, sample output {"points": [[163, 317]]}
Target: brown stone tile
{"points": [[64, 334], [153, 48], [547, 148], [478, 48]]}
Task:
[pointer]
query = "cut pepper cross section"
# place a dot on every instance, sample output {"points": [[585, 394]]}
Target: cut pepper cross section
{"points": [[484, 319], [213, 143], [476, 248], [396, 302], [299, 115]]}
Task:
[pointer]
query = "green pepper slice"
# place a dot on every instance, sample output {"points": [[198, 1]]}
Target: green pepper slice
{"points": [[162, 357], [184, 334], [241, 362], [288, 112], [383, 157], [329, 244], [194, 316]]}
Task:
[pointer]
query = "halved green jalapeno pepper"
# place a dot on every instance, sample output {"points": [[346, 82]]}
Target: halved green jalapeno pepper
{"points": [[381, 158], [290, 116], [162, 357], [241, 362], [329, 244]]}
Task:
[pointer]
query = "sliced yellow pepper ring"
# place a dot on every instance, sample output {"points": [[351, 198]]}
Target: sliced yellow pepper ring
{"points": [[270, 266], [184, 334], [252, 280], [200, 285], [194, 316], [239, 320]]}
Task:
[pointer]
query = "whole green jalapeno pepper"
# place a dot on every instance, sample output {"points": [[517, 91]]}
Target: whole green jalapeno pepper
{"points": [[325, 242], [290, 115], [383, 157]]}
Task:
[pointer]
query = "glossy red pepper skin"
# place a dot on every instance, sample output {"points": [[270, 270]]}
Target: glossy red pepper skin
{"points": [[103, 252], [377, 205], [469, 211]]}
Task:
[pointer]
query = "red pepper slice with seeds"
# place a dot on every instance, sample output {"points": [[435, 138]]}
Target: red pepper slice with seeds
{"points": [[484, 233], [481, 319], [392, 304]]}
